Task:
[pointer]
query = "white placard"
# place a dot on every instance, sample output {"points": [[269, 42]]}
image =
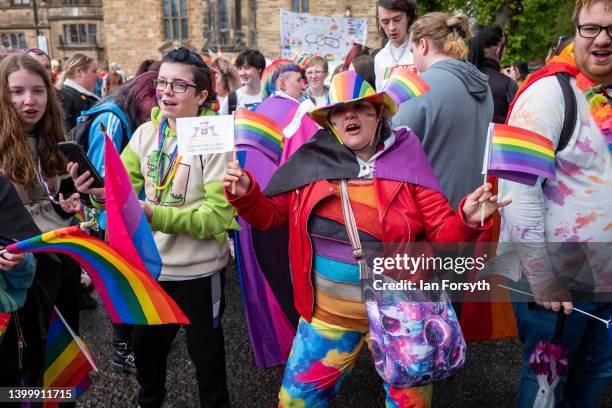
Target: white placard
{"points": [[329, 37], [42, 43], [205, 135]]}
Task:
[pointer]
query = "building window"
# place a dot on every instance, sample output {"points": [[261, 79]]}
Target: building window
{"points": [[80, 34], [176, 26], [76, 2], [21, 2], [93, 33], [14, 41], [301, 6]]}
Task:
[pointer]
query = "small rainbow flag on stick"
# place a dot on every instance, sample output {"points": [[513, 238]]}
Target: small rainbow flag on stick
{"points": [[129, 293], [68, 360], [405, 85], [4, 321], [254, 129], [518, 154]]}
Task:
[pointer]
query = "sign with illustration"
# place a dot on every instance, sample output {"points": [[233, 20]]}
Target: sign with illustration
{"points": [[329, 37], [205, 135]]}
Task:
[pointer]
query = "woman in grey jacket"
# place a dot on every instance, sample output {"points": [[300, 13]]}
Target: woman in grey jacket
{"points": [[452, 119]]}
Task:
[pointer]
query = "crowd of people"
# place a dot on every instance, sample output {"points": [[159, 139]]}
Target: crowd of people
{"points": [[355, 166]]}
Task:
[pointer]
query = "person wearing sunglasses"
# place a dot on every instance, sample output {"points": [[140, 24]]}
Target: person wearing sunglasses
{"points": [[570, 211]]}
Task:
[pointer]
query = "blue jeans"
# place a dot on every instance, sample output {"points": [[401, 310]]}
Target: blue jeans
{"points": [[589, 371]]}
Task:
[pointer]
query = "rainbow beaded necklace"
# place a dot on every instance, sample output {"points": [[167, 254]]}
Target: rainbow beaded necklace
{"points": [[598, 104], [163, 177]]}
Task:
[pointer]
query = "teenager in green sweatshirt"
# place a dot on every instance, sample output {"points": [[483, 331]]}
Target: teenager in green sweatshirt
{"points": [[189, 216]]}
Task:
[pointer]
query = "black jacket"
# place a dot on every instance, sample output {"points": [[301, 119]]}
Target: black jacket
{"points": [[502, 87], [73, 103]]}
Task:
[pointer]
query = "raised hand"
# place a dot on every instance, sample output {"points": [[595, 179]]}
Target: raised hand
{"points": [[83, 182], [235, 174], [472, 206]]}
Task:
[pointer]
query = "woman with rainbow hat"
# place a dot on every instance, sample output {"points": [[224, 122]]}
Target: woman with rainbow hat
{"points": [[356, 156]]}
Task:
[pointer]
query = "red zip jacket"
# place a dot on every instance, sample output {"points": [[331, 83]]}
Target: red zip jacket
{"points": [[407, 212]]}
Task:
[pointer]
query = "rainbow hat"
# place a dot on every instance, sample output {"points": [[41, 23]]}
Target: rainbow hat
{"points": [[301, 58], [348, 87]]}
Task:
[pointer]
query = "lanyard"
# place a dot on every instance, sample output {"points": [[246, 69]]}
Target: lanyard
{"points": [[41, 178], [163, 176]]}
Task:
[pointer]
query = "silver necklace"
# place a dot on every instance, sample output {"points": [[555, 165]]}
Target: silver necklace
{"points": [[403, 50]]}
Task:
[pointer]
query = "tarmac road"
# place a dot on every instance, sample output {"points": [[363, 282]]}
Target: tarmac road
{"points": [[488, 379]]}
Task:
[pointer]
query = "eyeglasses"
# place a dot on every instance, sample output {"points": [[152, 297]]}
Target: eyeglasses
{"points": [[317, 72], [176, 87], [592, 30]]}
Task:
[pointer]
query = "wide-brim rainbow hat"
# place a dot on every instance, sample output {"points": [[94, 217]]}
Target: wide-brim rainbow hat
{"points": [[348, 87]]}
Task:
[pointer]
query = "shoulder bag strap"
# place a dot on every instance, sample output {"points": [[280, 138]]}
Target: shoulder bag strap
{"points": [[351, 229]]}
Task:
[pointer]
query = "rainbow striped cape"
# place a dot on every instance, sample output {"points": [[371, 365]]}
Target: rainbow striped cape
{"points": [[256, 130], [518, 154], [129, 293], [68, 361], [405, 85]]}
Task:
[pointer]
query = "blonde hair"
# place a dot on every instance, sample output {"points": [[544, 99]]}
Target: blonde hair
{"points": [[448, 33], [77, 61], [587, 4]]}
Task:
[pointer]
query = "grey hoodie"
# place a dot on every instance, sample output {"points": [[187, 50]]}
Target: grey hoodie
{"points": [[452, 120]]}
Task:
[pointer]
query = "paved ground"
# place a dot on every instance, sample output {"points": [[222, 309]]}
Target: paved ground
{"points": [[488, 378]]}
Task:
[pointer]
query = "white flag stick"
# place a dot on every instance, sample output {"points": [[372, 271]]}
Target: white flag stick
{"points": [[485, 168], [78, 341], [606, 322]]}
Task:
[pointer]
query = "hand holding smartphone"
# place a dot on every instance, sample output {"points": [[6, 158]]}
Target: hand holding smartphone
{"points": [[75, 153]]}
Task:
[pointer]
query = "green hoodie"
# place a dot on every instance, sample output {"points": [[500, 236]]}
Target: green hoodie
{"points": [[190, 223]]}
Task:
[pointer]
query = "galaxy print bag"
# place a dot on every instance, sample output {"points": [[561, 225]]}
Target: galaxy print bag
{"points": [[414, 341]]}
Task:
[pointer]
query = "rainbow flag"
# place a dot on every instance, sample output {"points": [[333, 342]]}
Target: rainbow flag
{"points": [[68, 361], [254, 129], [4, 321], [129, 293], [127, 227], [405, 85], [518, 154]]}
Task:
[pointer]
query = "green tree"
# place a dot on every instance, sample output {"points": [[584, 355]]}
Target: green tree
{"points": [[530, 25]]}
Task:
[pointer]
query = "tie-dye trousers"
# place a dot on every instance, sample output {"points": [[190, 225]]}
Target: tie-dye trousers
{"points": [[321, 358]]}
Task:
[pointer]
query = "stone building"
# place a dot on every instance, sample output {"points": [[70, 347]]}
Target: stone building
{"points": [[68, 26], [129, 31]]}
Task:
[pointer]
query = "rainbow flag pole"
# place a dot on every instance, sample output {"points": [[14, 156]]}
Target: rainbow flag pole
{"points": [[78, 341]]}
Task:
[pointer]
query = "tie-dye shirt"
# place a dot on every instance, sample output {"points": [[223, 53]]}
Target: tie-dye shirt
{"points": [[574, 207]]}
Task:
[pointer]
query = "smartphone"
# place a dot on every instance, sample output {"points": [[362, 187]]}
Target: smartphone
{"points": [[75, 153], [6, 241]]}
